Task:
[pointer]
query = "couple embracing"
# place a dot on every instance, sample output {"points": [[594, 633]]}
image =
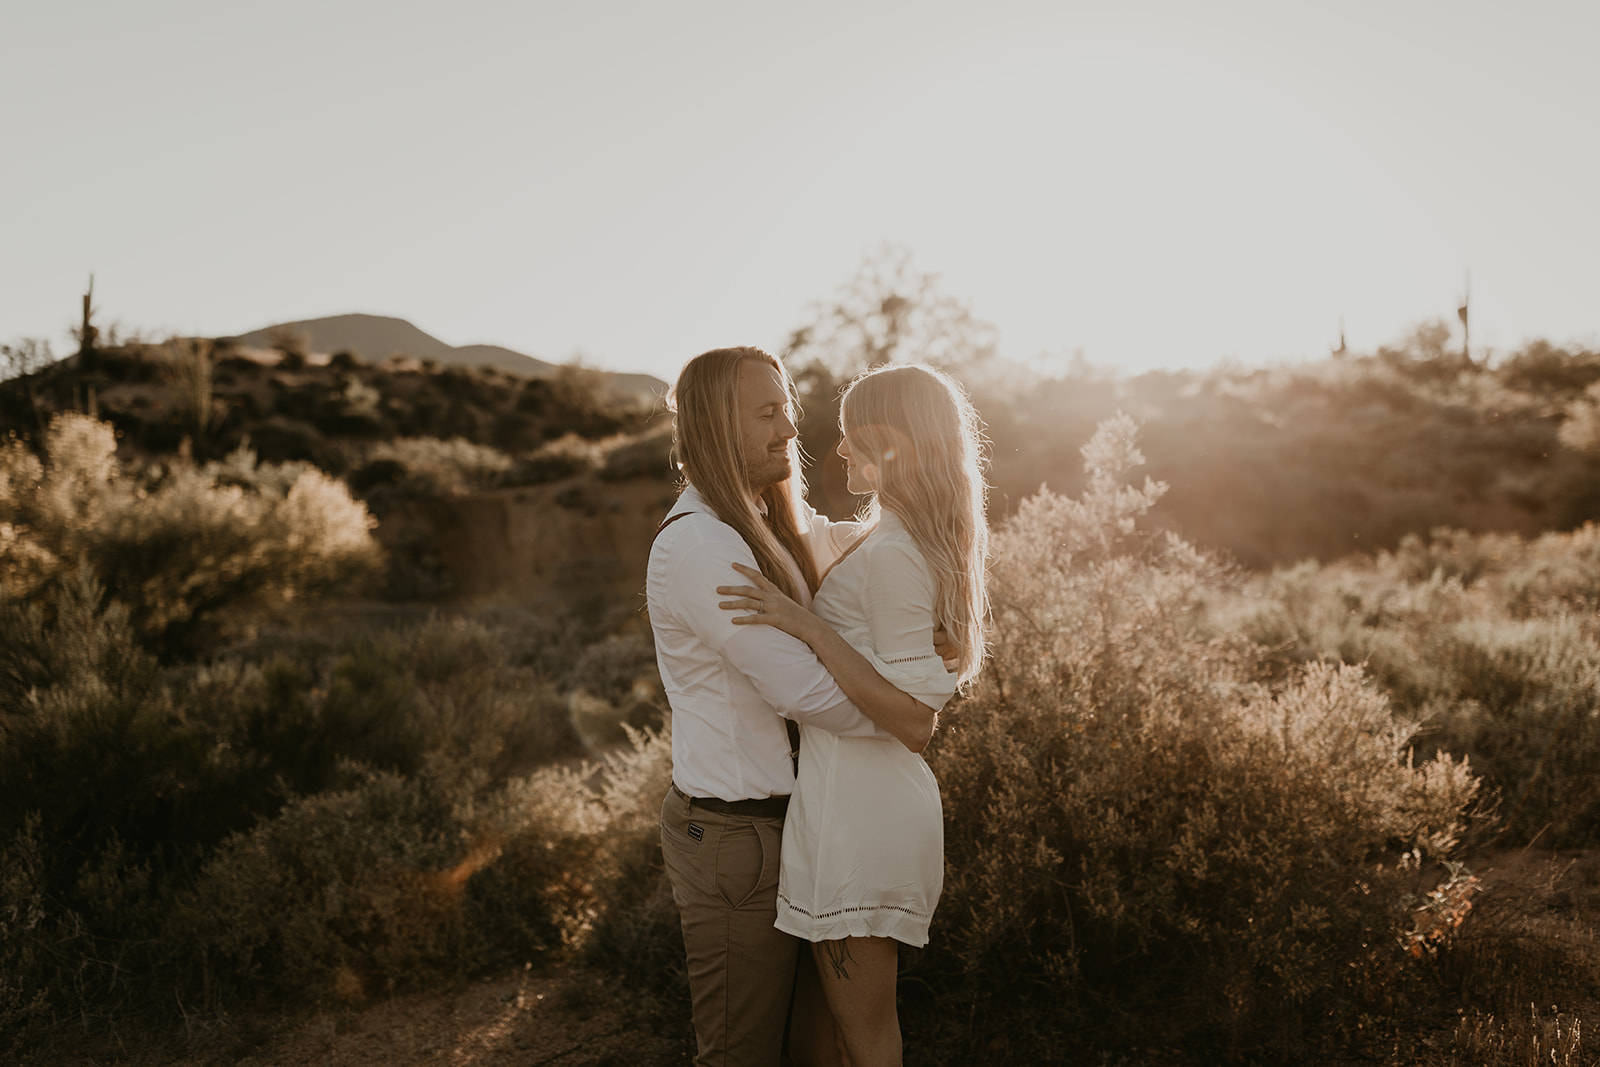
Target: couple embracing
{"points": [[805, 661]]}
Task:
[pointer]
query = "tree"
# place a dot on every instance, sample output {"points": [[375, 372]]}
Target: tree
{"points": [[891, 311]]}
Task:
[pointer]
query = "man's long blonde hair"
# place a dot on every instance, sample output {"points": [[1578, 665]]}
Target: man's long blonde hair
{"points": [[709, 449], [916, 425]]}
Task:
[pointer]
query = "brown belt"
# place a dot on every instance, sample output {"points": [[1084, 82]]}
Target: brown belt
{"points": [[765, 808]]}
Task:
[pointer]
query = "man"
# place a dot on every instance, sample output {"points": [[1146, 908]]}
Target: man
{"points": [[736, 691]]}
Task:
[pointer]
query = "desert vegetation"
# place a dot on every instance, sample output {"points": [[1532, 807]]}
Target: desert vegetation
{"points": [[1227, 791]]}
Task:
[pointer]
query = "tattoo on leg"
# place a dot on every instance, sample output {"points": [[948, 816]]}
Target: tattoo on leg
{"points": [[838, 953]]}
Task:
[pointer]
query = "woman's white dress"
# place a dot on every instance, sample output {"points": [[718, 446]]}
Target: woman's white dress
{"points": [[863, 844]]}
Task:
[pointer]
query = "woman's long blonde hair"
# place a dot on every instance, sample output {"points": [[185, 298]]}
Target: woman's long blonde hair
{"points": [[916, 425], [709, 449]]}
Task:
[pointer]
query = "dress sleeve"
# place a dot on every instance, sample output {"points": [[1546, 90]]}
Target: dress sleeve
{"points": [[829, 539], [899, 601], [782, 669]]}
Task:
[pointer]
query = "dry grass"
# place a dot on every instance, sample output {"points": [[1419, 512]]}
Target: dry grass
{"points": [[1527, 965]]}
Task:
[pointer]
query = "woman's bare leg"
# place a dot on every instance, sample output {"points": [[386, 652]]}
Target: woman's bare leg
{"points": [[858, 979], [813, 1039]]}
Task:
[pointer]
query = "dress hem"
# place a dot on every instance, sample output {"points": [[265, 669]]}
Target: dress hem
{"points": [[881, 921]]}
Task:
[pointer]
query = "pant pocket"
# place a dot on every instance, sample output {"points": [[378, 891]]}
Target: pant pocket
{"points": [[688, 851], [746, 863]]}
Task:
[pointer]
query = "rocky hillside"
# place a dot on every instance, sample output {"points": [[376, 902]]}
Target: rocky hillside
{"points": [[487, 485]]}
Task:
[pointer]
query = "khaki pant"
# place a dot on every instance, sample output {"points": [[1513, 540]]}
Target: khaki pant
{"points": [[724, 875]]}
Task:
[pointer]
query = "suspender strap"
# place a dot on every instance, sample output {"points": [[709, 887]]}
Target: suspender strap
{"points": [[668, 521], [789, 725]]}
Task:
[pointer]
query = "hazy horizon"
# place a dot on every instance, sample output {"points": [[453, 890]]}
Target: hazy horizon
{"points": [[1150, 184]]}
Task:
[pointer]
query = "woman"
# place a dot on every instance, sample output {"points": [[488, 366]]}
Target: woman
{"points": [[863, 845]]}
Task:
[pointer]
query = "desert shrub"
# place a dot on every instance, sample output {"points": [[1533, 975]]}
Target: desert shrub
{"points": [[645, 455], [440, 699], [292, 347], [1580, 429], [449, 466], [576, 399], [618, 667], [634, 927], [1487, 640], [51, 955], [1454, 554], [1543, 369], [24, 357], [515, 431], [120, 781], [398, 879], [327, 885], [25, 931], [446, 690], [180, 543], [96, 745], [110, 786], [1522, 700], [189, 369], [1142, 836], [283, 441], [613, 687], [564, 457], [1556, 572], [379, 472]]}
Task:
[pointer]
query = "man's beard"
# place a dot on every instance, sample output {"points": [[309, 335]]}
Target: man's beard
{"points": [[768, 468]]}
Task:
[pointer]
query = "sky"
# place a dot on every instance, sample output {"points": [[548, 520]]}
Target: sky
{"points": [[1147, 184]]}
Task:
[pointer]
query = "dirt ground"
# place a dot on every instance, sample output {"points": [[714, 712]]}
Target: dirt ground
{"points": [[528, 1018]]}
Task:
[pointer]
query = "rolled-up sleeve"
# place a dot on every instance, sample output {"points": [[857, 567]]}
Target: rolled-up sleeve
{"points": [[900, 592], [782, 669]]}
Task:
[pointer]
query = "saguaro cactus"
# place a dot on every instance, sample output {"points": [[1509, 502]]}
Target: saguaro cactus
{"points": [[87, 333]]}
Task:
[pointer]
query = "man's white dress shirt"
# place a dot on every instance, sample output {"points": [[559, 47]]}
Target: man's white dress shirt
{"points": [[728, 684]]}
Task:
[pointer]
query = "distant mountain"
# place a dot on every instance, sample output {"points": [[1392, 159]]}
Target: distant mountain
{"points": [[374, 338]]}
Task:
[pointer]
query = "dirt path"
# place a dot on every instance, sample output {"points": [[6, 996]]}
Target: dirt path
{"points": [[570, 1020], [526, 1018]]}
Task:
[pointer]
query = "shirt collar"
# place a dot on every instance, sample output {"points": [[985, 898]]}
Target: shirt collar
{"points": [[691, 500]]}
